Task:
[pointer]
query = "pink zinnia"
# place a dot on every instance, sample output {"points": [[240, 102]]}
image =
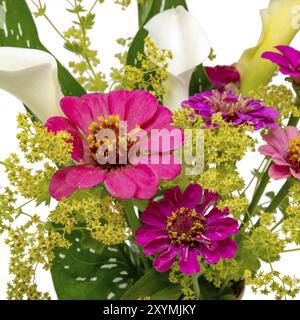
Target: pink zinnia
{"points": [[185, 226], [222, 77], [283, 147], [288, 61], [87, 116]]}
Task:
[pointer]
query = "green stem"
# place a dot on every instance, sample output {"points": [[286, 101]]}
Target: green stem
{"points": [[281, 195], [291, 250], [49, 20], [278, 224], [253, 178], [293, 121], [93, 7], [195, 283], [257, 195]]}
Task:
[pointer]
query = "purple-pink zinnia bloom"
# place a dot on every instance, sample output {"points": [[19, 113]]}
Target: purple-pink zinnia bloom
{"points": [[87, 116], [185, 226], [283, 147], [237, 110], [223, 76], [288, 61]]}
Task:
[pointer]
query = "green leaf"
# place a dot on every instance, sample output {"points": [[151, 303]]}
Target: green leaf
{"points": [[44, 195], [20, 31], [199, 81], [175, 3], [87, 21], [92, 272], [271, 195], [210, 292], [247, 259], [146, 11], [153, 283]]}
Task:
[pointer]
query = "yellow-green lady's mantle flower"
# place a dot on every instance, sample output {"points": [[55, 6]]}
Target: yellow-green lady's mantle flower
{"points": [[281, 22]]}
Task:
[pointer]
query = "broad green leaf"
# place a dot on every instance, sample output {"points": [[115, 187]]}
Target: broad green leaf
{"points": [[92, 272], [199, 81], [150, 284], [172, 292], [20, 31], [246, 258], [146, 11]]}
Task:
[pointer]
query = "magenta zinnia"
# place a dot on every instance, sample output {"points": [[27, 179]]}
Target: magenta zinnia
{"points": [[288, 60], [222, 77], [87, 116], [185, 226], [234, 109], [283, 147]]}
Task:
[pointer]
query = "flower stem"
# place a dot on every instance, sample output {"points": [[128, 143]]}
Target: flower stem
{"points": [[258, 194], [280, 196], [291, 250], [38, 6], [277, 224], [283, 192], [196, 286], [253, 178], [93, 7]]}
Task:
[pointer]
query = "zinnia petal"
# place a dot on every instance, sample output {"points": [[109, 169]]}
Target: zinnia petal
{"points": [[279, 172], [147, 233], [166, 166], [85, 177], [165, 260], [191, 196], [146, 180], [156, 245], [227, 248], [120, 185], [153, 216], [188, 262], [59, 187]]}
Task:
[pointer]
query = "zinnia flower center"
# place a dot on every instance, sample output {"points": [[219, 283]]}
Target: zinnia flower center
{"points": [[294, 151], [112, 140], [184, 226], [221, 102]]}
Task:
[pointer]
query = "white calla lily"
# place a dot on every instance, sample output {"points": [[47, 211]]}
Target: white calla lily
{"points": [[31, 76], [178, 31]]}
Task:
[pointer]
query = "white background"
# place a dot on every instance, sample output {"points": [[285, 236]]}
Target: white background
{"points": [[231, 26]]}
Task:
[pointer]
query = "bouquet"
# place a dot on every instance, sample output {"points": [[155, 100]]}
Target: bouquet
{"points": [[136, 176]]}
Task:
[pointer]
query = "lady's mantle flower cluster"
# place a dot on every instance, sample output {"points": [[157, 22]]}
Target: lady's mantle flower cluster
{"points": [[149, 74]]}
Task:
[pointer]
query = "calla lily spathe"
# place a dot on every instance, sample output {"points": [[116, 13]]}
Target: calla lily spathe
{"points": [[281, 22], [178, 31], [31, 76]]}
